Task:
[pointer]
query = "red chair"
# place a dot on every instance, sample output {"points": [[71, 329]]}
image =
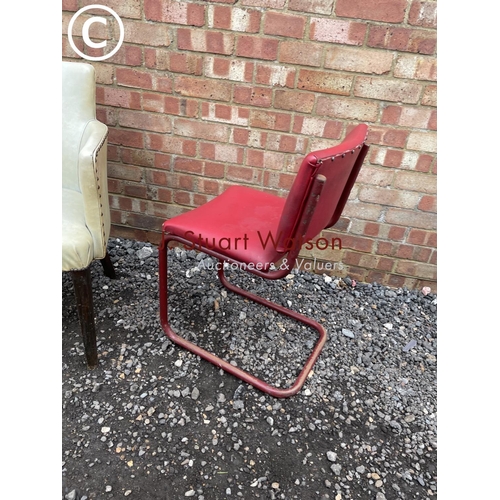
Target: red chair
{"points": [[234, 227]]}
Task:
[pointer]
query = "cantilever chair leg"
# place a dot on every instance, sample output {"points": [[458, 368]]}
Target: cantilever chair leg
{"points": [[83, 292], [238, 372]]}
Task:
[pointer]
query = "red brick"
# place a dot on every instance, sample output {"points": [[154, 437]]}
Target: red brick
{"points": [[226, 153], [337, 31], [387, 136], [416, 269], [301, 53], [423, 14], [324, 81], [126, 138], [428, 204], [389, 11], [254, 96], [314, 6], [205, 89], [244, 174], [287, 25], [257, 47], [294, 101], [174, 12], [286, 143], [397, 233], [403, 39], [134, 78]]}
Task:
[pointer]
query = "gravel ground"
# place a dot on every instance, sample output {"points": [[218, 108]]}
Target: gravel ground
{"points": [[154, 421]]}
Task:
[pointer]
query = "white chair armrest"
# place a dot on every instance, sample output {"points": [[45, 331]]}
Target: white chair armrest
{"points": [[93, 177]]}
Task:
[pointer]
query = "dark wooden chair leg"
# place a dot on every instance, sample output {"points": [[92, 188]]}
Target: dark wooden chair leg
{"points": [[108, 268], [83, 292]]}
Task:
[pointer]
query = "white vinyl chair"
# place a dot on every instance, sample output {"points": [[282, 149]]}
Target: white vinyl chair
{"points": [[85, 206]]}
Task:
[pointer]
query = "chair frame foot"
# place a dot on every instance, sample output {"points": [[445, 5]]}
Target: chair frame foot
{"points": [[108, 267], [212, 358], [82, 283]]}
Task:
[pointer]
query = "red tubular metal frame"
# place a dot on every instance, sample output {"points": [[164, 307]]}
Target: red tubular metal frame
{"points": [[312, 200]]}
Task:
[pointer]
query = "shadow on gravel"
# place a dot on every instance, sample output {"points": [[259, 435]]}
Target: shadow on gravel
{"points": [[153, 421]]}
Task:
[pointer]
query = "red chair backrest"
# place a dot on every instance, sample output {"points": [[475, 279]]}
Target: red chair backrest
{"points": [[340, 165]]}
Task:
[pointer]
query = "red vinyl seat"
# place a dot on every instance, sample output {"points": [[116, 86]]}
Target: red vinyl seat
{"points": [[258, 230]]}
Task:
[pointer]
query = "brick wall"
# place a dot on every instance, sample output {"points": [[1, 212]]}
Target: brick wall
{"points": [[205, 94]]}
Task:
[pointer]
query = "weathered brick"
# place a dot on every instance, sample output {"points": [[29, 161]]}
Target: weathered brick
{"points": [[271, 4], [351, 109], [209, 131], [294, 101], [225, 113], [317, 127], [174, 12], [376, 62], [416, 67], [390, 197], [416, 269], [314, 6], [229, 69], [429, 98], [257, 47], [423, 13], [288, 25], [337, 31], [410, 218], [415, 181], [214, 42], [253, 96], [266, 159], [233, 18], [275, 75], [270, 120], [301, 53], [226, 153], [122, 98], [206, 89], [324, 81], [422, 141], [145, 121], [387, 90], [389, 11], [143, 33]]}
